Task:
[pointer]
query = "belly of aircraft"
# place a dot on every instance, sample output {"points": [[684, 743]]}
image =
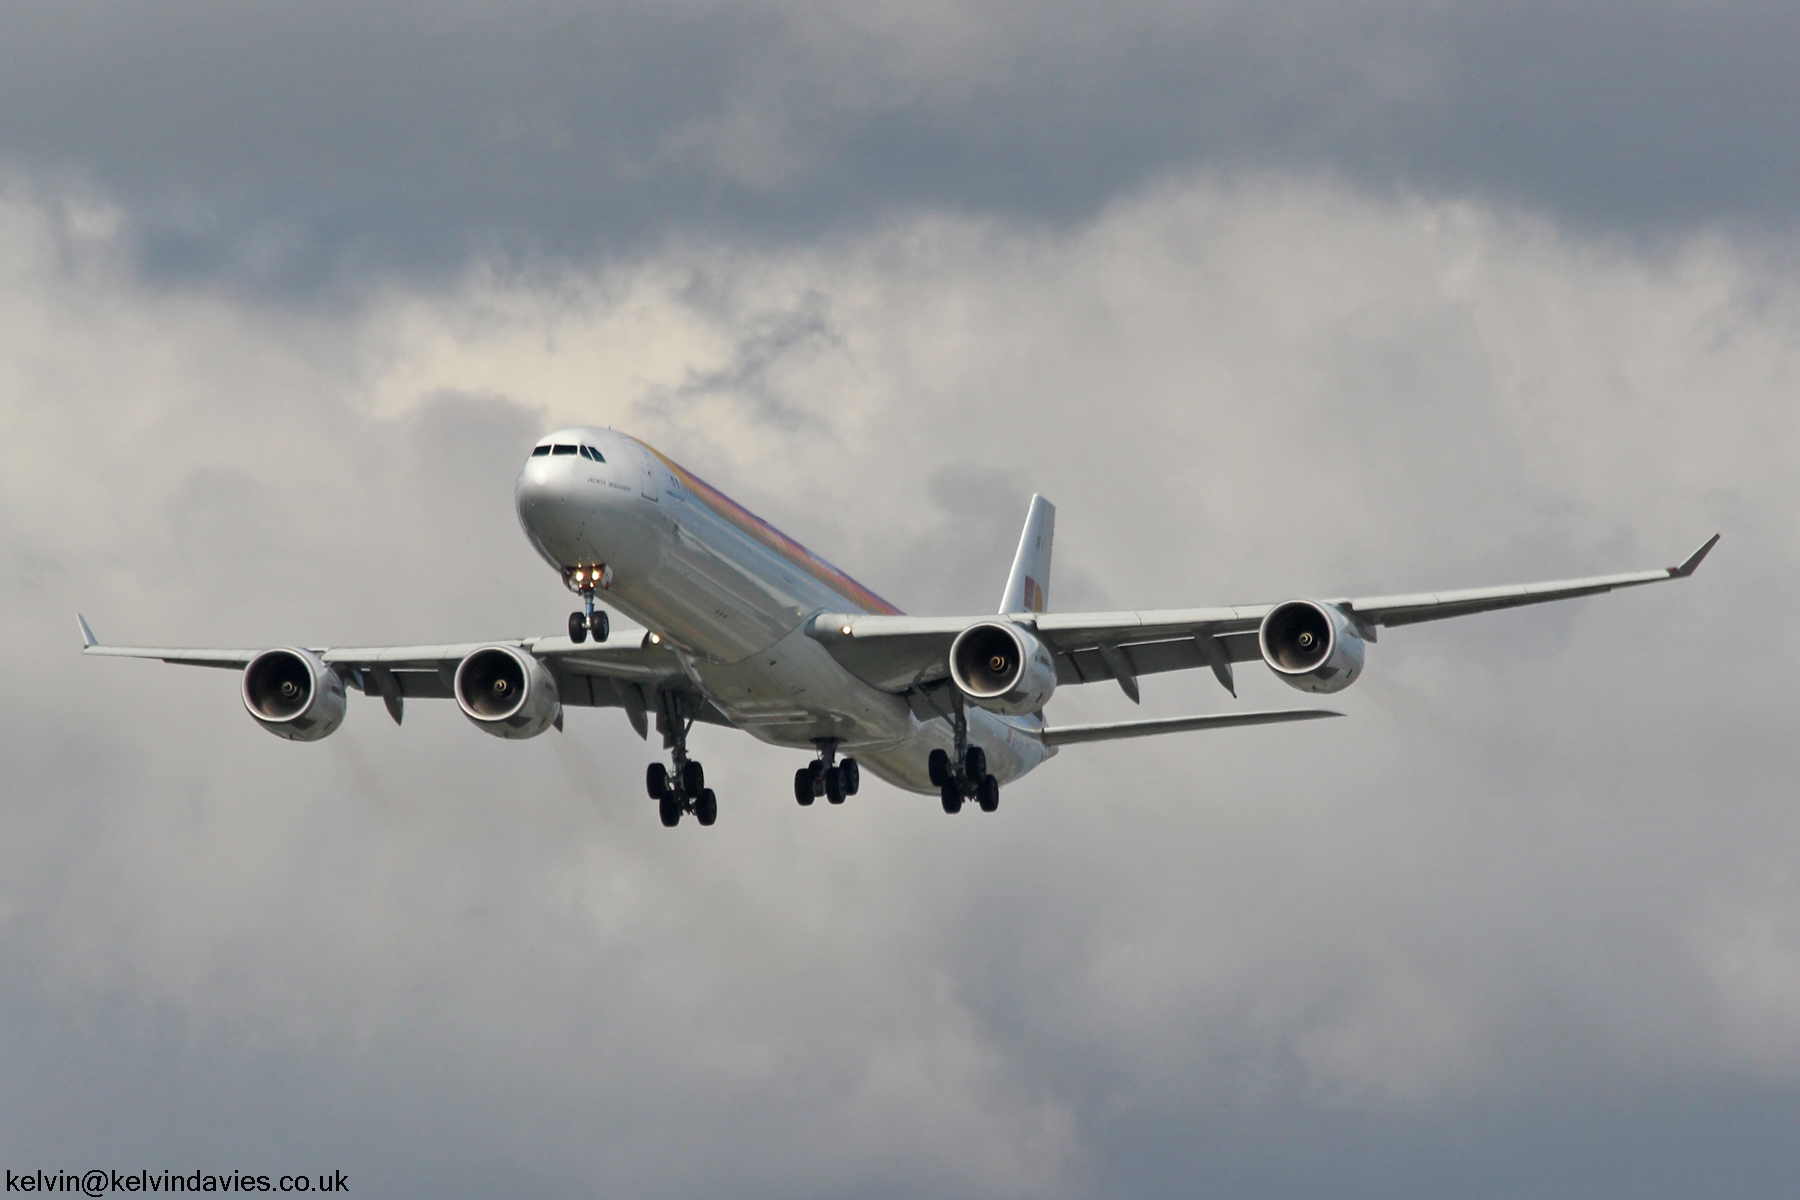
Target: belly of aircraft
{"points": [[794, 693]]}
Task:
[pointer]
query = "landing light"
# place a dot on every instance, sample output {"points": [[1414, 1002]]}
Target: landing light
{"points": [[846, 631], [656, 639]]}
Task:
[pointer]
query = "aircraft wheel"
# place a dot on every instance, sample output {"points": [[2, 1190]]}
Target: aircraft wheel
{"points": [[693, 779], [938, 767], [952, 797], [852, 776], [577, 627], [706, 808], [670, 809], [975, 763], [834, 785], [656, 781], [987, 794], [803, 780], [602, 625]]}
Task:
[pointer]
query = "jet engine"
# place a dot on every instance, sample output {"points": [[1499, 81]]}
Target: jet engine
{"points": [[1311, 646], [507, 692], [1002, 668], [293, 694]]}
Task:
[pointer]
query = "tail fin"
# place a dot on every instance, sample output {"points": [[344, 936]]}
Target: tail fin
{"points": [[1028, 587]]}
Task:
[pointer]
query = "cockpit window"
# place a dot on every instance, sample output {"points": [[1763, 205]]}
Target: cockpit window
{"points": [[590, 452], [563, 450], [540, 451]]}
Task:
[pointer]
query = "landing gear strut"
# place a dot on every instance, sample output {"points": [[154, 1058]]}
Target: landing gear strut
{"points": [[824, 778], [584, 580], [683, 789], [964, 774]]}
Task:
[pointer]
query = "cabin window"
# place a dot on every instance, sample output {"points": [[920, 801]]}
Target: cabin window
{"points": [[540, 451], [563, 450]]}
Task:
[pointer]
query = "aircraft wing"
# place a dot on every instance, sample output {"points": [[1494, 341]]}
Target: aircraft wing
{"points": [[898, 653], [625, 672]]}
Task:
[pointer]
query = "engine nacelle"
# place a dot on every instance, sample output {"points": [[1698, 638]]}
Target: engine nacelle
{"points": [[293, 694], [1002, 668], [507, 692], [1311, 646]]}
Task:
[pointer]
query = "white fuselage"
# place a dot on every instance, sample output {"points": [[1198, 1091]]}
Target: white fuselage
{"points": [[731, 596]]}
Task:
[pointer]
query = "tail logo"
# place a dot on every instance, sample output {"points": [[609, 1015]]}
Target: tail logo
{"points": [[1034, 596]]}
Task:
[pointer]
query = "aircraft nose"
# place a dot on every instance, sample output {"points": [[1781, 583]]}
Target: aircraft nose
{"points": [[547, 498], [546, 479]]}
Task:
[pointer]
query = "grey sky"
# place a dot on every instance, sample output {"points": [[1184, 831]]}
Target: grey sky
{"points": [[302, 145], [1270, 305]]}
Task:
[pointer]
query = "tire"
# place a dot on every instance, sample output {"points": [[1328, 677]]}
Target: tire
{"points": [[602, 626], [693, 779], [852, 775], [577, 627], [975, 763], [706, 808], [656, 781], [834, 785], [988, 794], [670, 810], [952, 797], [803, 786], [938, 767]]}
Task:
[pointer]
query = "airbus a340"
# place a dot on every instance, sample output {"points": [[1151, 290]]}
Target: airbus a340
{"points": [[744, 627]]}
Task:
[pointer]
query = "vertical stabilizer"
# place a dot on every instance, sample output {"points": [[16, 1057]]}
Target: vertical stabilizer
{"points": [[1028, 587]]}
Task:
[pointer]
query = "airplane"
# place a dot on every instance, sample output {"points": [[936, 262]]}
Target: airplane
{"points": [[743, 627]]}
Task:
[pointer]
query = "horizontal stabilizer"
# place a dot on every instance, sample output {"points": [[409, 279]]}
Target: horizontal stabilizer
{"points": [[1064, 735]]}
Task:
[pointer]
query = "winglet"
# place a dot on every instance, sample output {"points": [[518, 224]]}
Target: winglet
{"points": [[1687, 568], [87, 633]]}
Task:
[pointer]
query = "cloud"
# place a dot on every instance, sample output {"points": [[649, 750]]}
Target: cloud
{"points": [[307, 149], [1542, 868]]}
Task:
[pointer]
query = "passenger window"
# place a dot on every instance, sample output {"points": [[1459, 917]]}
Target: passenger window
{"points": [[539, 451], [563, 450]]}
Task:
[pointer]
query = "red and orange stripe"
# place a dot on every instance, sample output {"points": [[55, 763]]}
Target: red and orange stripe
{"points": [[776, 540]]}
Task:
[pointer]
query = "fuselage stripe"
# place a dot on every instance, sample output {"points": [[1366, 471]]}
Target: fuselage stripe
{"points": [[742, 518]]}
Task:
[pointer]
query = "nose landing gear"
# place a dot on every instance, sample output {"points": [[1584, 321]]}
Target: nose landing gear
{"points": [[584, 580], [822, 778]]}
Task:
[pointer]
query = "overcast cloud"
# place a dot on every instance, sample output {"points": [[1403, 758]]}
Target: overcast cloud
{"points": [[298, 147], [1272, 301]]}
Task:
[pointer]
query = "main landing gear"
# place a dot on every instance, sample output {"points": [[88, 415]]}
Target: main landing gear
{"points": [[823, 778], [964, 775], [584, 580], [683, 789]]}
